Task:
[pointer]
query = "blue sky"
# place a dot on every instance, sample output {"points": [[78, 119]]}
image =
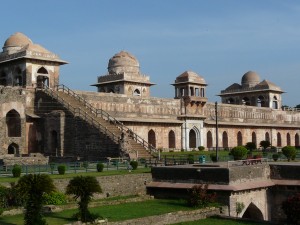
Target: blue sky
{"points": [[218, 39]]}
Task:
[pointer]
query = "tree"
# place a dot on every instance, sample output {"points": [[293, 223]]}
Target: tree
{"points": [[265, 144], [289, 152], [291, 208], [32, 187], [238, 152], [83, 187], [250, 146]]}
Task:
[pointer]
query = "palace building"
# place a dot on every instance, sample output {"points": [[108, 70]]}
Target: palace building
{"points": [[41, 116]]}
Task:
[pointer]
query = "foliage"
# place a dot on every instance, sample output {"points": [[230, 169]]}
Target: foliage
{"points": [[238, 152], [291, 208], [239, 206], [289, 152], [83, 187], [54, 198], [250, 146], [265, 144], [201, 148], [213, 157], [61, 169], [100, 167], [198, 196], [275, 157], [32, 187], [134, 164], [85, 164], [16, 171], [190, 158]]}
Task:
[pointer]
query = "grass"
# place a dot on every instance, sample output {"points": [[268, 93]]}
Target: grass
{"points": [[219, 221], [111, 212]]}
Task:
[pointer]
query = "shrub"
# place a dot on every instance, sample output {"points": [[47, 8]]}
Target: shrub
{"points": [[289, 152], [201, 148], [85, 164], [54, 198], [250, 146], [291, 208], [213, 157], [61, 169], [275, 156], [198, 196], [16, 171], [100, 167], [134, 164], [190, 159], [239, 152], [265, 144]]}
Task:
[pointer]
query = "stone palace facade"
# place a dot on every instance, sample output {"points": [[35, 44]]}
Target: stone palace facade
{"points": [[40, 116]]}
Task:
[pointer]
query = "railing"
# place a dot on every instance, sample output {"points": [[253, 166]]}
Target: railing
{"points": [[97, 113]]}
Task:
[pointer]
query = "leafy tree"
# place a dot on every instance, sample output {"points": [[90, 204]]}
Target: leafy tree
{"points": [[291, 208], [289, 152], [250, 146], [265, 144], [83, 187], [32, 187], [239, 152]]}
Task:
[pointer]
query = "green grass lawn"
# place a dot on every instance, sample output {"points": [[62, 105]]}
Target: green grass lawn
{"points": [[219, 221]]}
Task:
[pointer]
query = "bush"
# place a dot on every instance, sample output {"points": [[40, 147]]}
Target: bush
{"points": [[291, 208], [100, 167], [239, 152], [289, 152], [54, 198], [250, 146], [275, 156], [61, 169], [265, 144], [190, 159], [213, 157], [201, 148], [134, 164], [16, 171], [85, 165], [198, 196]]}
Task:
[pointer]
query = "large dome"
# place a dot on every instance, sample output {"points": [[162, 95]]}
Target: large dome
{"points": [[123, 62], [250, 79], [17, 40]]}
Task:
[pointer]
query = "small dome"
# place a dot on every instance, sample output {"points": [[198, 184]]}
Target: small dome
{"points": [[17, 40], [190, 76], [123, 62], [250, 79]]}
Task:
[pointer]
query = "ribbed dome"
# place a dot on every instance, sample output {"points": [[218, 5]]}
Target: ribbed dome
{"points": [[17, 40], [250, 79], [123, 62], [190, 76]]}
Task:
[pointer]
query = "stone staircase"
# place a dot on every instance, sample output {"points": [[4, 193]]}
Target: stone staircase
{"points": [[132, 144]]}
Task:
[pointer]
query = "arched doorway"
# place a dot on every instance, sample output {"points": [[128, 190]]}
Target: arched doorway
{"points": [[267, 136], [209, 139], [297, 140], [288, 139], [260, 101], [253, 212], [42, 79], [275, 103], [152, 138], [192, 139], [172, 139], [254, 138], [13, 124], [278, 139], [225, 139], [54, 143], [136, 92], [239, 139], [13, 149]]}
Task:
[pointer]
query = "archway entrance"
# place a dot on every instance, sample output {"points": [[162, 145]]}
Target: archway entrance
{"points": [[13, 149], [171, 139], [225, 140], [192, 138], [209, 139], [151, 138], [253, 212]]}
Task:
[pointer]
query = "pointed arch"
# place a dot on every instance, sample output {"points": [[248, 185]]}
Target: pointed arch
{"points": [[239, 139], [192, 139], [275, 103], [267, 136], [136, 92], [209, 139], [225, 139], [297, 141], [42, 70], [254, 138], [13, 123], [279, 140], [13, 149], [42, 78], [288, 139], [253, 212], [152, 138], [172, 143]]}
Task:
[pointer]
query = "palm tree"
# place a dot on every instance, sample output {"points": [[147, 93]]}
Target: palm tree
{"points": [[83, 187], [32, 187]]}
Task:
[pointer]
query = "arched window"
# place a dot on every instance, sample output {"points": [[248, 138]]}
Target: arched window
{"points": [[13, 124], [3, 79], [136, 92], [209, 139], [239, 139], [42, 70], [267, 136], [225, 139], [13, 149], [260, 101], [172, 139], [246, 101], [275, 103], [288, 139], [254, 138], [192, 139], [278, 139], [152, 138], [297, 140], [42, 78]]}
